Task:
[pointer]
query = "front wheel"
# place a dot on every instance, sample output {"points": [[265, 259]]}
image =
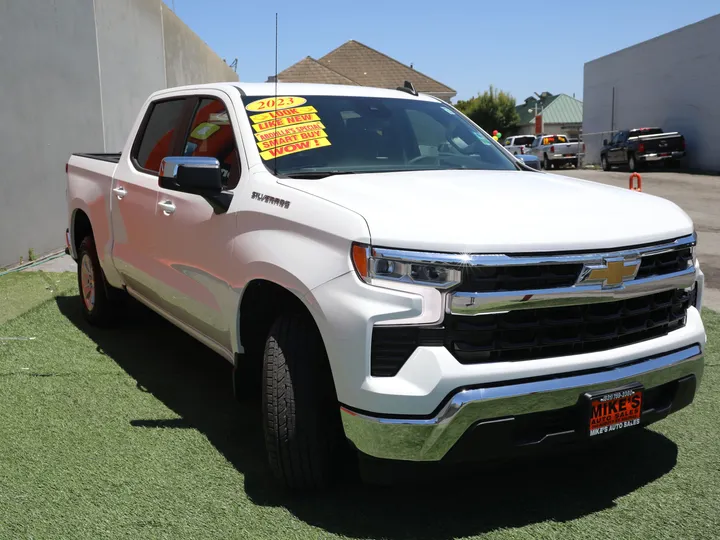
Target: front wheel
{"points": [[303, 431], [100, 302]]}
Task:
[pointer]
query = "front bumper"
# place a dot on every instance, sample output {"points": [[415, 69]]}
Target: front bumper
{"points": [[468, 410]]}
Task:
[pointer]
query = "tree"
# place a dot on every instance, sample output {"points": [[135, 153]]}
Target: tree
{"points": [[493, 109]]}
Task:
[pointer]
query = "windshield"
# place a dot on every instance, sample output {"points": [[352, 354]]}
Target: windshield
{"points": [[349, 134]]}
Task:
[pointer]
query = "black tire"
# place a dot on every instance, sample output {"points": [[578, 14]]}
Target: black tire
{"points": [[304, 437], [546, 163], [102, 307], [604, 163], [632, 163]]}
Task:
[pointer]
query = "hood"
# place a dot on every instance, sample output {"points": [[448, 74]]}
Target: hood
{"points": [[463, 211]]}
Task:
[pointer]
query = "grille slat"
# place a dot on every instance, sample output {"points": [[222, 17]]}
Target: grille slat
{"points": [[535, 333]]}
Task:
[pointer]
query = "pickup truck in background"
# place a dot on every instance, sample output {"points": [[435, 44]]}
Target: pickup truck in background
{"points": [[635, 148], [554, 151], [518, 144], [393, 282]]}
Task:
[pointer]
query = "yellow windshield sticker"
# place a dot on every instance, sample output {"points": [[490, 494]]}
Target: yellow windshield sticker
{"points": [[289, 130], [286, 121], [204, 131], [279, 114], [283, 141], [272, 103], [294, 148]]}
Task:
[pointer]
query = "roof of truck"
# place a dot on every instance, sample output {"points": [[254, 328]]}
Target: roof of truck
{"points": [[304, 89]]}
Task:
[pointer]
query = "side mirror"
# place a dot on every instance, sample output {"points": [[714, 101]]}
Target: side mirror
{"points": [[604, 142], [197, 175]]}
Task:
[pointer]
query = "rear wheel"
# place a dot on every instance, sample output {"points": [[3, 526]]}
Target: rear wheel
{"points": [[604, 162], [303, 431], [632, 163], [547, 165], [100, 302]]}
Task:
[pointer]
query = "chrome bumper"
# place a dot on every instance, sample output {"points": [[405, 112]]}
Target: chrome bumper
{"points": [[430, 439]]}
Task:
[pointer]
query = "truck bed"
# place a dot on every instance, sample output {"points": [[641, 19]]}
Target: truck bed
{"points": [[112, 158]]}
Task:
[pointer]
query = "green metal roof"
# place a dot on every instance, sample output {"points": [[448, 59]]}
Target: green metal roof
{"points": [[560, 109]]}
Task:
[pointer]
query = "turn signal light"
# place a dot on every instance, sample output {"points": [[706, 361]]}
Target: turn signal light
{"points": [[641, 147], [552, 148], [360, 260]]}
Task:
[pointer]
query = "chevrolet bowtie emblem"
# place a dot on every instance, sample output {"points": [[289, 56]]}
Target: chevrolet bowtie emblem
{"points": [[611, 274]]}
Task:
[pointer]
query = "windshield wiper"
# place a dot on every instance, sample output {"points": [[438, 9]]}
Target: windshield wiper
{"points": [[314, 174]]}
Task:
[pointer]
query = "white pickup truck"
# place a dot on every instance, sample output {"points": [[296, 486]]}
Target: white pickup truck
{"points": [[408, 289], [553, 151]]}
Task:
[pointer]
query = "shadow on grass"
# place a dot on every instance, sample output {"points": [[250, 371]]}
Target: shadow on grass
{"points": [[429, 502]]}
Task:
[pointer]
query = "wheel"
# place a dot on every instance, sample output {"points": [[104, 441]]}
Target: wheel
{"points": [[100, 302], [605, 164], [632, 164], [576, 163], [546, 163], [304, 437]]}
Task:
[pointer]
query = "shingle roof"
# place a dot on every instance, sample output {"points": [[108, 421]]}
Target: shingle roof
{"points": [[357, 64], [560, 109], [310, 70], [369, 67]]}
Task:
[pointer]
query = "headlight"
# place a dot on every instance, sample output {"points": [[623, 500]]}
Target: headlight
{"points": [[403, 267]]}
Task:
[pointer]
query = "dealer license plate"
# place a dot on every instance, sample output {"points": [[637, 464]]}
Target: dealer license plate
{"points": [[613, 410]]}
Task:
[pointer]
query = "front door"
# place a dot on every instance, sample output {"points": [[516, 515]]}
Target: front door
{"points": [[194, 254], [134, 196]]}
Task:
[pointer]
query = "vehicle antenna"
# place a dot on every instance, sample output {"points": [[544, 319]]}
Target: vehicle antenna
{"points": [[276, 91]]}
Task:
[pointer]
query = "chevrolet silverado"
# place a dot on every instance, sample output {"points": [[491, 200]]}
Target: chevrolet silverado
{"points": [[394, 283], [636, 148]]}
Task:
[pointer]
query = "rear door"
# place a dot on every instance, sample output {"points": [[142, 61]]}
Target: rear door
{"points": [[134, 194], [615, 152], [194, 253]]}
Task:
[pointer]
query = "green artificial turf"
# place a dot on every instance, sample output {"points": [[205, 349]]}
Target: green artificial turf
{"points": [[133, 433]]}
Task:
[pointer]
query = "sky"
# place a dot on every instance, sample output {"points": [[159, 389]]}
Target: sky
{"points": [[467, 47]]}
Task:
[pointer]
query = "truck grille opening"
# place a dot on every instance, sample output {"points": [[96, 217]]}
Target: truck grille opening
{"points": [[551, 276], [534, 333], [543, 333]]}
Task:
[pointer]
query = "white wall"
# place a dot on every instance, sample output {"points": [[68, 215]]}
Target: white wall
{"points": [[672, 81]]}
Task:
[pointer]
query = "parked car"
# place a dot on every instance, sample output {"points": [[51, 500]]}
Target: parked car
{"points": [[555, 151], [529, 160], [518, 144], [638, 147], [384, 300]]}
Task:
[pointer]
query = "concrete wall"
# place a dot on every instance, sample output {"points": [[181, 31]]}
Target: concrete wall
{"points": [[74, 75], [671, 81], [50, 107], [132, 64], [187, 58]]}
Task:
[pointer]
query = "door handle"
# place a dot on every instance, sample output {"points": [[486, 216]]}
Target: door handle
{"points": [[120, 192], [167, 206]]}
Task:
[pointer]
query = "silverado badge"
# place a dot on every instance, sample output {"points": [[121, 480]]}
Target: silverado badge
{"points": [[613, 273]]}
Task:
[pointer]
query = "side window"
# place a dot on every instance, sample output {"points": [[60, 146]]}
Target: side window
{"points": [[159, 134], [211, 135]]}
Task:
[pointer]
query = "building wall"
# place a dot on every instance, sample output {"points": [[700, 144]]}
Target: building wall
{"points": [[50, 107], [571, 130], [189, 59], [74, 75], [671, 81]]}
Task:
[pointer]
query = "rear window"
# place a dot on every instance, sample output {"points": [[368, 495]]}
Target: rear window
{"points": [[159, 134], [520, 141], [554, 139]]}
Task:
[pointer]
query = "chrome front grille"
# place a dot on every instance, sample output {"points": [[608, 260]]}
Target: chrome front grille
{"points": [[514, 308]]}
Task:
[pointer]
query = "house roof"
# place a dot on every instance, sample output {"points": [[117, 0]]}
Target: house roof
{"points": [[560, 109], [356, 63], [310, 70]]}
